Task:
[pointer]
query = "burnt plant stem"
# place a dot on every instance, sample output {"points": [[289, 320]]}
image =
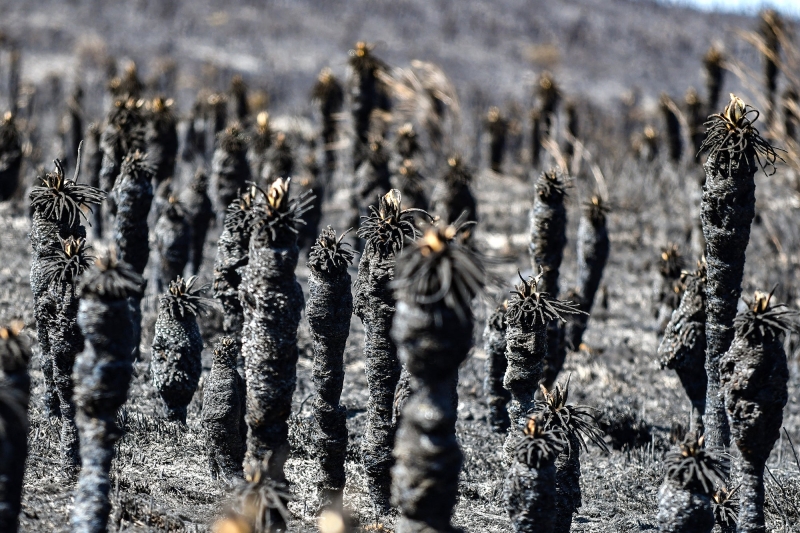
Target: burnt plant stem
{"points": [[329, 308], [751, 491], [494, 342]]}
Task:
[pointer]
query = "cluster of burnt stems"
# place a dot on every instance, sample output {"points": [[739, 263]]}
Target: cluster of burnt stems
{"points": [[417, 282]]}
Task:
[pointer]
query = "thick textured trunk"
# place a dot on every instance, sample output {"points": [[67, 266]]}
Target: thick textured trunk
{"points": [[92, 504], [175, 362], [727, 210], [526, 351], [329, 308], [751, 499], [173, 242], [568, 486], [425, 478], [530, 497], [230, 173], [223, 412], [272, 301], [66, 342], [682, 511], [375, 306], [593, 248], [494, 342], [231, 259]]}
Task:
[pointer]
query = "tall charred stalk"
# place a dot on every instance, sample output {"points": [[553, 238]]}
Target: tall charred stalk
{"points": [[406, 143], [683, 347], [199, 214], [238, 99], [715, 75], [436, 282], [329, 308], [272, 301], [102, 375], [230, 170], [791, 119], [93, 156], [684, 499], [593, 249], [124, 133], [695, 116], [312, 184], [497, 126], [10, 157], [260, 143], [173, 243], [536, 138], [385, 231], [494, 342], [571, 129], [548, 223], [132, 195], [58, 204], [14, 390], [232, 257], [223, 412], [71, 128], [549, 97], [669, 288], [452, 197], [735, 151], [328, 94], [280, 159], [530, 310], [177, 346], [372, 177], [577, 424], [770, 28], [673, 128], [411, 184], [529, 490], [64, 264], [754, 383], [161, 138], [367, 93]]}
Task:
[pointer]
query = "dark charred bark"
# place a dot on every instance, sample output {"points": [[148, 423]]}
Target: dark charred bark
{"points": [[715, 75], [497, 126], [673, 128], [173, 244], [10, 157], [161, 138], [223, 412], [367, 93], [683, 511], [199, 214], [230, 170], [329, 308], [453, 197], [329, 95], [494, 342]]}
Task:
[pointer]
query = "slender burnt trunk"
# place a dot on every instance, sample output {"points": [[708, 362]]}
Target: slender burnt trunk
{"points": [[530, 497], [173, 242], [329, 308], [375, 306], [432, 341], [223, 412], [272, 301], [494, 342], [751, 495], [568, 486], [526, 351], [727, 210]]}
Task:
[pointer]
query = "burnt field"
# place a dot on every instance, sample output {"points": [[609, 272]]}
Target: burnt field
{"points": [[365, 381]]}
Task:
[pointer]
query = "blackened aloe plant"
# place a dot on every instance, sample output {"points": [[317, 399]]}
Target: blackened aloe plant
{"points": [[102, 376], [15, 353], [64, 264], [494, 343], [735, 151], [673, 128], [684, 499], [683, 347], [529, 489], [232, 256], [548, 227], [668, 290], [593, 250], [272, 301], [436, 281], [172, 238], [578, 424], [223, 412], [280, 159], [411, 184], [238, 99], [199, 214], [230, 170], [453, 197], [715, 75], [175, 361], [260, 143], [93, 156], [10, 157], [58, 205], [497, 126], [329, 308], [161, 138], [372, 177], [754, 378], [771, 30], [124, 133], [367, 93], [530, 310], [385, 230], [329, 96], [132, 196], [549, 96]]}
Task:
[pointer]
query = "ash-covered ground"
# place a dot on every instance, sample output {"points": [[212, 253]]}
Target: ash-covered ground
{"points": [[160, 476]]}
